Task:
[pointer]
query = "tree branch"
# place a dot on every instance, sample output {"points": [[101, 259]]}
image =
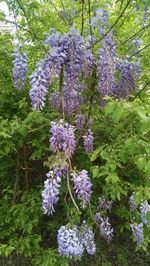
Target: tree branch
{"points": [[82, 17], [114, 24]]}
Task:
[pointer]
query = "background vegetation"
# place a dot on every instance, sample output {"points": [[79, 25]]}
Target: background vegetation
{"points": [[119, 164]]}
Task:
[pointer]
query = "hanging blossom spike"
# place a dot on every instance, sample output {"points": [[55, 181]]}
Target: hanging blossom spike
{"points": [[80, 121], [63, 138], [104, 204], [105, 227], [87, 239], [138, 234], [107, 55], [19, 69], [46, 71], [88, 141], [78, 59], [133, 204], [50, 194], [144, 209], [129, 74], [68, 242], [82, 187]]}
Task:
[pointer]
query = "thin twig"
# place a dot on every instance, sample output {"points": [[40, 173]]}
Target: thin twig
{"points": [[65, 12], [134, 35], [24, 12], [146, 46], [139, 92], [114, 24], [25, 169], [89, 13], [70, 193], [58, 13], [82, 17], [17, 178]]}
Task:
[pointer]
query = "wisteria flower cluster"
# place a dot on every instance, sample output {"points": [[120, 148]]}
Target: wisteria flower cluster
{"points": [[129, 74], [138, 231], [133, 204], [46, 70], [144, 209], [104, 204], [72, 241], [104, 225], [102, 220], [78, 56], [50, 194], [19, 69], [88, 141], [82, 187], [80, 121], [68, 54], [63, 138]]}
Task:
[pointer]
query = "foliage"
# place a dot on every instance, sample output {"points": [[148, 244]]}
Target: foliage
{"points": [[112, 145]]}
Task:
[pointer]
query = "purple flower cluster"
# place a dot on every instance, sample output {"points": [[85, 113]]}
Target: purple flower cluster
{"points": [[82, 187], [144, 209], [68, 242], [78, 58], [133, 204], [106, 67], [80, 121], [104, 204], [129, 73], [50, 194], [100, 20], [87, 239], [63, 138], [19, 69], [72, 241], [145, 15], [105, 227], [44, 74], [71, 91], [88, 141], [138, 234]]}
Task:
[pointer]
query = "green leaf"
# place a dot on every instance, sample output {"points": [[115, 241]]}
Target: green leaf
{"points": [[109, 108], [95, 172], [141, 162], [95, 154]]}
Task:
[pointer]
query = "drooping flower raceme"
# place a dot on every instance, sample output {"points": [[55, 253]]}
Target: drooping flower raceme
{"points": [[50, 194], [78, 58], [19, 69], [87, 239], [144, 209], [105, 227], [69, 243], [82, 187], [129, 73], [45, 72], [104, 204], [133, 204], [73, 242], [63, 138], [107, 55], [80, 121], [106, 67], [42, 77], [138, 234], [88, 141]]}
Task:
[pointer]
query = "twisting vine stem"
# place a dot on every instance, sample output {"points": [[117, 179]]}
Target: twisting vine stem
{"points": [[69, 189]]}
